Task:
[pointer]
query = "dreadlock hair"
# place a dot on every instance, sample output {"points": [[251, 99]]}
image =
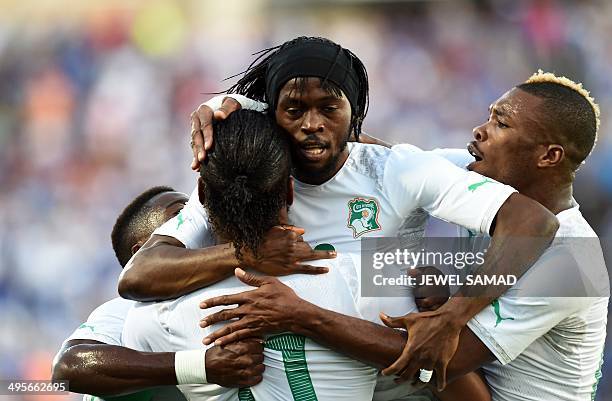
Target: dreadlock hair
{"points": [[571, 114], [137, 221], [245, 178], [253, 82]]}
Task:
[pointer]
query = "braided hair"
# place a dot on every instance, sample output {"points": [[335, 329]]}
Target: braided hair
{"points": [[245, 178]]}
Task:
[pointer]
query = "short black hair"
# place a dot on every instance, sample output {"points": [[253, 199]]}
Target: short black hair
{"points": [[245, 178], [569, 116], [253, 83], [136, 222]]}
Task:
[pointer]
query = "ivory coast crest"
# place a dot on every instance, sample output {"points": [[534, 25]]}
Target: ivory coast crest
{"points": [[363, 215]]}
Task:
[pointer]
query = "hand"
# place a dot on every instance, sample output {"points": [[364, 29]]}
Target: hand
{"points": [[282, 252], [432, 341], [428, 297], [239, 364], [265, 310], [201, 128]]}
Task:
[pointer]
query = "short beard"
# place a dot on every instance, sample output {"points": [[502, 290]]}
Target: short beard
{"points": [[327, 170]]}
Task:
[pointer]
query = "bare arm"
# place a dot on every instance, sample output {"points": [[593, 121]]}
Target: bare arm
{"points": [[272, 307], [434, 335], [96, 368], [522, 232], [164, 269]]}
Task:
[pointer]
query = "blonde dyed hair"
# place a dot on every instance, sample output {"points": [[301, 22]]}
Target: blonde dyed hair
{"points": [[542, 77]]}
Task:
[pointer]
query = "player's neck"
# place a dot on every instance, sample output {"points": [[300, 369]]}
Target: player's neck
{"points": [[320, 177], [554, 195]]}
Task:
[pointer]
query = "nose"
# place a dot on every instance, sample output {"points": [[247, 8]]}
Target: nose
{"points": [[312, 122], [480, 133]]}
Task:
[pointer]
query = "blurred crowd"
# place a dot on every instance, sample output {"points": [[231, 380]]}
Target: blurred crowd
{"points": [[95, 100]]}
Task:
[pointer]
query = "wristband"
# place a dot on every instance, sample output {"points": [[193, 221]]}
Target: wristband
{"points": [[190, 366], [248, 104], [245, 103]]}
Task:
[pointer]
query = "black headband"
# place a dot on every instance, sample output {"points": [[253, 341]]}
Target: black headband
{"points": [[327, 61]]}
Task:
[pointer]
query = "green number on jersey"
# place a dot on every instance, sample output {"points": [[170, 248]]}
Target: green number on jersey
{"points": [[294, 357]]}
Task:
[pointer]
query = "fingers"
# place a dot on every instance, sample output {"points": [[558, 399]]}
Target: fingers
{"points": [[228, 106], [304, 253], [308, 269], [233, 337], [197, 140], [394, 322], [297, 230], [252, 378], [251, 279], [404, 366], [231, 328], [252, 345], [221, 316], [440, 372], [232, 299], [205, 116]]}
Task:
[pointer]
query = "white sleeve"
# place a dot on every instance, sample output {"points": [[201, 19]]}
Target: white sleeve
{"points": [[190, 226], [246, 103], [459, 157], [105, 323], [442, 189], [511, 323]]}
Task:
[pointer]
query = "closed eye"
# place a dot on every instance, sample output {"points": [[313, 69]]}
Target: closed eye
{"points": [[329, 109], [293, 111]]}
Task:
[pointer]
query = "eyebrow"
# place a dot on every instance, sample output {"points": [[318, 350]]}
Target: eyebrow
{"points": [[499, 111]]}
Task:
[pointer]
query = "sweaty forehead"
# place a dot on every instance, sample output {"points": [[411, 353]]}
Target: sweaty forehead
{"points": [[516, 104], [167, 199]]}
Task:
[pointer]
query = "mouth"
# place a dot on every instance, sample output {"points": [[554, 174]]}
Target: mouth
{"points": [[313, 151], [475, 152]]}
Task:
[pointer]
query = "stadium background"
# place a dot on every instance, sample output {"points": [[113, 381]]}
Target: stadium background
{"points": [[95, 99]]}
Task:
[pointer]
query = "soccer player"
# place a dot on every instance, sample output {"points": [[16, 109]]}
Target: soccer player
{"points": [[94, 359], [317, 93], [246, 188], [544, 339]]}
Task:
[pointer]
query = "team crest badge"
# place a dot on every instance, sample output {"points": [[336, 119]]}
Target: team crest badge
{"points": [[363, 216]]}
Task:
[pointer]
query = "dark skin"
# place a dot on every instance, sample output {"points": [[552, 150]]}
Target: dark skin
{"points": [[532, 160], [97, 368], [165, 269], [433, 336], [318, 125], [272, 307]]}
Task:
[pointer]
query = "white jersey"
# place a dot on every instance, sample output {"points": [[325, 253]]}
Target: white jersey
{"points": [[105, 323], [389, 192], [296, 367], [548, 337], [378, 192]]}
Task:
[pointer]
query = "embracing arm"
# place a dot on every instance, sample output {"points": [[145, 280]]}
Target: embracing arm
{"points": [[378, 345], [164, 269], [521, 232], [272, 307], [94, 367]]}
